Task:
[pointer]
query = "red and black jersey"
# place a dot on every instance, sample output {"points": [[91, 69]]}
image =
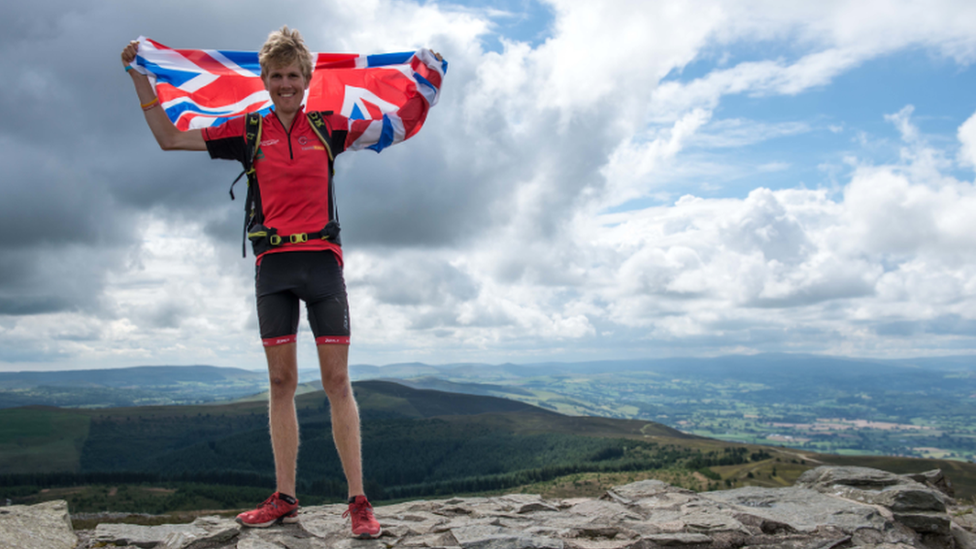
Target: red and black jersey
{"points": [[293, 171]]}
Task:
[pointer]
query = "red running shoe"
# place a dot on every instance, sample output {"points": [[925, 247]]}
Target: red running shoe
{"points": [[274, 510], [364, 524]]}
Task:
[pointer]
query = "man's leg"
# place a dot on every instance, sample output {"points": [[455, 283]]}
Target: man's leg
{"points": [[283, 377], [334, 363], [282, 506]]}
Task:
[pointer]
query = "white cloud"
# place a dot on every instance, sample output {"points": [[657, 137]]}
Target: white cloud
{"points": [[895, 247], [967, 137], [487, 236]]}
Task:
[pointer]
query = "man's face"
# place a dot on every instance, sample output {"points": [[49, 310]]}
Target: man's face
{"points": [[287, 86]]}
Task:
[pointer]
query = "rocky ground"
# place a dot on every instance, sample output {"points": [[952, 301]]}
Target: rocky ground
{"points": [[828, 508]]}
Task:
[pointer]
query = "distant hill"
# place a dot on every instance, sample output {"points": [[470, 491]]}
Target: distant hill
{"points": [[911, 407], [136, 386], [135, 377], [416, 443], [413, 440], [745, 367], [194, 384]]}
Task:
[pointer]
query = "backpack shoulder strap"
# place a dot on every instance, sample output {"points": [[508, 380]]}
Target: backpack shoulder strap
{"points": [[252, 204], [321, 129], [252, 140], [316, 119], [252, 137]]}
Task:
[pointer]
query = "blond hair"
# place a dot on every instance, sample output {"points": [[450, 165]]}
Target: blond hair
{"points": [[284, 47]]}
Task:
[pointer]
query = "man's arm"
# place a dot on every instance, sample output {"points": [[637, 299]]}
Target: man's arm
{"points": [[167, 135]]}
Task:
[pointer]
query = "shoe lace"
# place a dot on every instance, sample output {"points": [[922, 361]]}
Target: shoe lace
{"points": [[362, 511], [270, 502]]}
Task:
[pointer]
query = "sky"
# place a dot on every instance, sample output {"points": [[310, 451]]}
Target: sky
{"points": [[599, 180]]}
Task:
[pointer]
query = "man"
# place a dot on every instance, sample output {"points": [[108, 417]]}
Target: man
{"points": [[295, 236]]}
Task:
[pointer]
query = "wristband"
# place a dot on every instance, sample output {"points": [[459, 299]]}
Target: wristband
{"points": [[149, 105], [128, 68]]}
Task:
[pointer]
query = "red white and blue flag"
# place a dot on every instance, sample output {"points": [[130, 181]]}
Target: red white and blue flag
{"points": [[390, 93]]}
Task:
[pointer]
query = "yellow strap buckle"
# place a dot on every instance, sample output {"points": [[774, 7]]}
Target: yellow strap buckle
{"points": [[298, 238], [275, 240]]}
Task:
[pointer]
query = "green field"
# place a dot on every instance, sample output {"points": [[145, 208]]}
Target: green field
{"points": [[39, 439]]}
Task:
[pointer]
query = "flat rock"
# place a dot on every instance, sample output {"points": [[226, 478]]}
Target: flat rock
{"points": [[925, 523], [935, 479], [42, 526], [899, 493], [802, 509], [679, 539], [202, 531], [596, 510], [644, 489], [855, 477], [496, 537]]}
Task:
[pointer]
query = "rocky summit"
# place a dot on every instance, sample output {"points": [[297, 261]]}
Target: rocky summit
{"points": [[827, 508]]}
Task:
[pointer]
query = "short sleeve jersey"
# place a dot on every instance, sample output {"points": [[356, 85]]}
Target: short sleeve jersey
{"points": [[293, 173]]}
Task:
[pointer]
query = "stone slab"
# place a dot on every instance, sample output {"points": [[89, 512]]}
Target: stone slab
{"points": [[42, 526]]}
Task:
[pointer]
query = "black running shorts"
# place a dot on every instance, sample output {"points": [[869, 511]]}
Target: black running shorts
{"points": [[282, 279]]}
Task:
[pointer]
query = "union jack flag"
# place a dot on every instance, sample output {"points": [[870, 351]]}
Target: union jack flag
{"points": [[202, 88]]}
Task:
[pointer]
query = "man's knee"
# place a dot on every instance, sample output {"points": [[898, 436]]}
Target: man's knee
{"points": [[283, 383], [336, 383]]}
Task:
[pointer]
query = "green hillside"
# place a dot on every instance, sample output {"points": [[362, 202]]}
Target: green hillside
{"points": [[39, 439], [416, 443]]}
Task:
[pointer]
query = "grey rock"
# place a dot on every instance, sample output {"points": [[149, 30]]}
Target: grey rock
{"points": [[496, 537], [965, 517], [856, 477], [936, 479], [925, 523], [288, 537], [713, 522], [42, 526], [444, 539], [918, 506], [256, 543], [964, 539], [536, 506], [324, 521], [679, 539], [602, 533], [586, 543], [203, 531], [896, 492], [868, 536], [832, 508], [898, 498], [645, 489], [599, 511], [802, 509]]}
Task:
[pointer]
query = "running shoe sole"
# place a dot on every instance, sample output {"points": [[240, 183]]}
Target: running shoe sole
{"points": [[367, 536]]}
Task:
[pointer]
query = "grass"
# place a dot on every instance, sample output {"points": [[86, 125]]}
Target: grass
{"points": [[37, 439]]}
